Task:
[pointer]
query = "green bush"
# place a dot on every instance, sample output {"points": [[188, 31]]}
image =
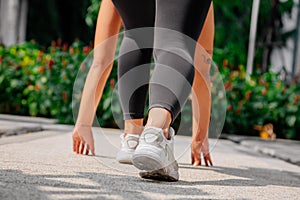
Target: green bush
{"points": [[260, 99], [39, 83]]}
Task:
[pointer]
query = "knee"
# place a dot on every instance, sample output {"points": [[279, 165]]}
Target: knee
{"points": [[175, 53]]}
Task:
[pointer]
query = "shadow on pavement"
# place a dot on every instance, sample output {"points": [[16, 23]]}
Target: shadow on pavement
{"points": [[17, 185], [249, 176]]}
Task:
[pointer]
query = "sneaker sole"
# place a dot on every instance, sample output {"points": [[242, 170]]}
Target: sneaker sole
{"points": [[148, 163], [128, 162], [159, 175]]}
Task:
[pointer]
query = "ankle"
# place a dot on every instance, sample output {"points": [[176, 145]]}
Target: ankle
{"points": [[133, 126], [160, 118], [166, 132]]}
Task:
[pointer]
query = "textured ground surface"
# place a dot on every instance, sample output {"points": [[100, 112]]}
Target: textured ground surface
{"points": [[41, 165]]}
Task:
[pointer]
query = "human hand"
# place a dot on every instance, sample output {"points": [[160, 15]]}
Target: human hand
{"points": [[83, 140], [199, 148]]}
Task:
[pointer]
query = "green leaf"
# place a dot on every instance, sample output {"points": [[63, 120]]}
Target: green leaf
{"points": [[273, 105], [106, 103], [291, 120], [2, 77], [33, 109]]}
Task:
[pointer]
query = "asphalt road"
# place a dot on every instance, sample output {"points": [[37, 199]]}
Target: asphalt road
{"points": [[41, 165]]}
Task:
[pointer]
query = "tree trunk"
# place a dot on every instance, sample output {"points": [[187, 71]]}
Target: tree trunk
{"points": [[13, 20], [1, 16], [296, 63], [23, 21]]}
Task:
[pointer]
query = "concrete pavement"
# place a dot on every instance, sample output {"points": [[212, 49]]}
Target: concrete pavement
{"points": [[41, 165], [287, 150]]}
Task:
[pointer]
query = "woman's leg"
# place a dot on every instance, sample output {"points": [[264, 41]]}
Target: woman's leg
{"points": [[201, 98], [177, 27], [135, 60], [134, 69], [168, 90]]}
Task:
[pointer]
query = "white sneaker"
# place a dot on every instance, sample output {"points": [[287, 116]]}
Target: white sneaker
{"points": [[128, 146], [154, 155]]}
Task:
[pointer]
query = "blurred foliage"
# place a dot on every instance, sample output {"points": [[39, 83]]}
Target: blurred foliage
{"points": [[92, 13], [260, 99], [71, 19], [52, 19], [39, 82], [232, 26]]}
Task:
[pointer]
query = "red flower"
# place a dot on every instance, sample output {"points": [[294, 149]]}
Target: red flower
{"points": [[248, 95], [65, 47], [39, 58], [1, 59], [261, 81], [225, 63], [229, 108], [53, 44], [238, 111], [297, 98], [86, 49], [64, 96], [51, 62], [228, 86], [112, 83], [42, 69], [264, 92]]}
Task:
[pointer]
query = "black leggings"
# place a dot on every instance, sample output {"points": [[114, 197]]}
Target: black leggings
{"points": [[173, 74]]}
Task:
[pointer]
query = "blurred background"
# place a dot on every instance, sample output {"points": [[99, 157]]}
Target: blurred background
{"points": [[43, 43]]}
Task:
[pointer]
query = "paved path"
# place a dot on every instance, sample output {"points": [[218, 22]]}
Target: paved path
{"points": [[287, 150], [41, 165]]}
